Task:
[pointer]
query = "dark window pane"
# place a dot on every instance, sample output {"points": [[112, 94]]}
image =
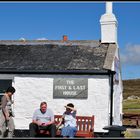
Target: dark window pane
{"points": [[0, 100], [4, 84]]}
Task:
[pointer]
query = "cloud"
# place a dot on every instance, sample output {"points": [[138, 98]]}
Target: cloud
{"points": [[131, 55], [22, 38], [43, 38]]}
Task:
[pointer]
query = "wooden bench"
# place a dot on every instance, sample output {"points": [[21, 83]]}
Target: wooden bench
{"points": [[85, 126], [132, 118]]}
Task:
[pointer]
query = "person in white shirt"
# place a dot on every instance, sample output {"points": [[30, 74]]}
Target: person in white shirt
{"points": [[69, 121], [43, 119]]}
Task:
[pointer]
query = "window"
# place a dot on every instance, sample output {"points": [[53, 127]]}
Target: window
{"points": [[4, 84]]}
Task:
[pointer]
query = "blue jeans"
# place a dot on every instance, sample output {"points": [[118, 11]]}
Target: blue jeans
{"points": [[68, 131]]}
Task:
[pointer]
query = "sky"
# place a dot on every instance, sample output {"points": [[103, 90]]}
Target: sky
{"points": [[79, 20]]}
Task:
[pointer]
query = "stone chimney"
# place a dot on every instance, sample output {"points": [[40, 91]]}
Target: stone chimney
{"points": [[65, 38], [108, 25]]}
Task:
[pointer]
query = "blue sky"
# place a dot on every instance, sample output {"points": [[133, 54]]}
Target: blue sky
{"points": [[79, 21]]}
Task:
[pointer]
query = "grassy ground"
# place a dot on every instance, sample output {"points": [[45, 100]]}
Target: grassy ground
{"points": [[131, 106], [131, 87]]}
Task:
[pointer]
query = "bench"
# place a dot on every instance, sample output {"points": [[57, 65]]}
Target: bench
{"points": [[132, 118], [85, 126]]}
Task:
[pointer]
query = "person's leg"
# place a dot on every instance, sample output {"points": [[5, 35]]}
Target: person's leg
{"points": [[11, 127], [2, 131], [33, 128], [72, 131], [52, 129], [64, 132], [2, 124]]}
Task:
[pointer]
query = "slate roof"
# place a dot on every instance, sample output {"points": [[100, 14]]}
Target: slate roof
{"points": [[51, 55]]}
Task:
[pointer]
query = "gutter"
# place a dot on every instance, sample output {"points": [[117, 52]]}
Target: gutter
{"points": [[112, 73], [78, 72]]}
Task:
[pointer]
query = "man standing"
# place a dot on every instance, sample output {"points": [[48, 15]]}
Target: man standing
{"points": [[43, 119]]}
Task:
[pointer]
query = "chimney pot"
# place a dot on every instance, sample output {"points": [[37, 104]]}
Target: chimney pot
{"points": [[65, 38]]}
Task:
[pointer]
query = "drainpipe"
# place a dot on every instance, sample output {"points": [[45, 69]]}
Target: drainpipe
{"points": [[111, 95]]}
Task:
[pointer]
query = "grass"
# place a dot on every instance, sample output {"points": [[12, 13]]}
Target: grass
{"points": [[131, 106], [131, 87], [131, 111], [129, 134]]}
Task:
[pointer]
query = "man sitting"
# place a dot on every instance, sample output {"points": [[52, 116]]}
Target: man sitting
{"points": [[43, 119]]}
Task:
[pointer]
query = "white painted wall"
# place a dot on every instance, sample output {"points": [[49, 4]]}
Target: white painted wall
{"points": [[118, 92], [117, 105], [31, 90]]}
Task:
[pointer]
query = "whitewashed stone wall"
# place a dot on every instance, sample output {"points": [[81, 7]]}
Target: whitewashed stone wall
{"points": [[117, 105], [31, 90], [118, 91]]}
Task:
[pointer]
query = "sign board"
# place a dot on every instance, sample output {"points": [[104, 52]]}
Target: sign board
{"points": [[70, 88]]}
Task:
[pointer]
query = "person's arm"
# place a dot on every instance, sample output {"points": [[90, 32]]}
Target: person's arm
{"points": [[52, 121], [48, 123], [34, 119], [3, 107], [73, 109], [37, 122], [61, 121]]}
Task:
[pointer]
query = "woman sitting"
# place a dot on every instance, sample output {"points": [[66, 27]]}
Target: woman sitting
{"points": [[69, 121]]}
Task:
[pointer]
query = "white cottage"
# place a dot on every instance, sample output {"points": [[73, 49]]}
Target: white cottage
{"points": [[84, 72]]}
